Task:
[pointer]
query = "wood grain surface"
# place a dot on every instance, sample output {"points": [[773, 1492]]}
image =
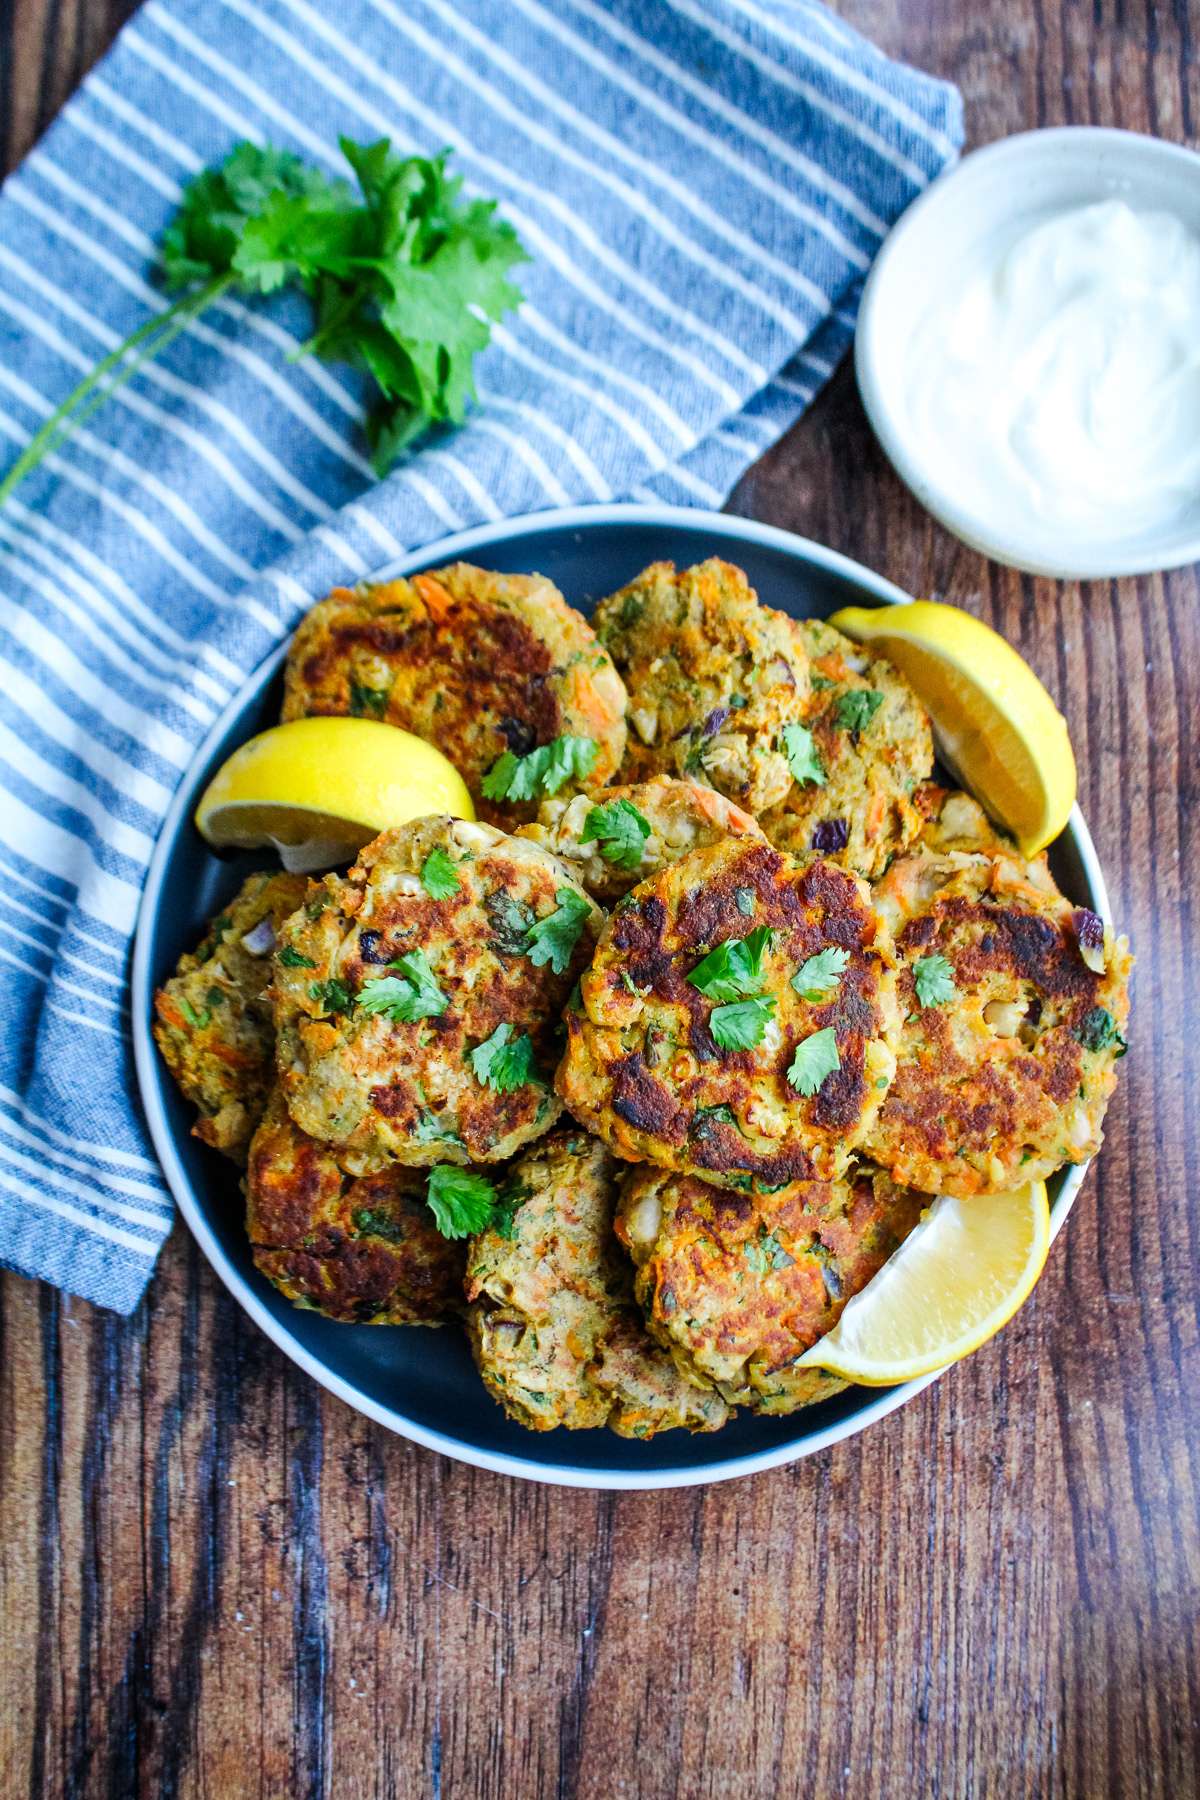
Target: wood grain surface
{"points": [[217, 1581]]}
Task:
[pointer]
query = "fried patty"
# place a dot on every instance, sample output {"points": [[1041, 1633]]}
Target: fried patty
{"points": [[643, 1069], [873, 743], [477, 663], [1005, 1076], [737, 1286], [212, 1021], [384, 994], [713, 676], [361, 1250], [552, 1320], [956, 821], [682, 816]]}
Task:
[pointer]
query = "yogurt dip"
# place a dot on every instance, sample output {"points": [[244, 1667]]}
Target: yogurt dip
{"points": [[1055, 377]]}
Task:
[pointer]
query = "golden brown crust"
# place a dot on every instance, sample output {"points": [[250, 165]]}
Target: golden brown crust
{"points": [[642, 1068], [475, 662], [552, 1321], [713, 676], [212, 1020], [382, 1086], [1008, 1077], [863, 813], [363, 1251], [737, 1286]]}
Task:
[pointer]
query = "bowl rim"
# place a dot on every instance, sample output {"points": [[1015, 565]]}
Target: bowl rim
{"points": [[1128, 150], [725, 526]]}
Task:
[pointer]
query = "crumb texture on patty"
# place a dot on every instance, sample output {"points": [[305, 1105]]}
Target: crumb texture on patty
{"points": [[713, 676], [1015, 1005], [476, 662], [643, 1069], [212, 1021], [389, 996], [552, 1320], [680, 816], [363, 1250], [873, 744], [737, 1286]]}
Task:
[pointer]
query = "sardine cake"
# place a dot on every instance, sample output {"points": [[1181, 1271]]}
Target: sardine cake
{"points": [[476, 662], [363, 1250], [713, 676], [553, 1324], [737, 1286], [418, 998], [212, 1021], [1015, 1006], [737, 1020]]}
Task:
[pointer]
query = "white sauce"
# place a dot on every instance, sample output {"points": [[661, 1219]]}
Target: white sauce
{"points": [[1059, 376]]}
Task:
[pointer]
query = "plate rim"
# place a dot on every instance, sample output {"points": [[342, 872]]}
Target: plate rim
{"points": [[448, 548]]}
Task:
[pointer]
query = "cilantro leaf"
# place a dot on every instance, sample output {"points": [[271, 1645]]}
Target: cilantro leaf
{"points": [[504, 1063], [431, 1129], [542, 771], [799, 746], [856, 709], [1098, 1029], [817, 978], [461, 1201], [620, 830], [553, 939], [408, 994], [740, 1026], [292, 959], [933, 979], [333, 995], [438, 876], [816, 1057], [733, 970]]}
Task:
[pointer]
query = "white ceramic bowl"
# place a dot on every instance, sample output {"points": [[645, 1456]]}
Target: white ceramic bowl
{"points": [[1036, 174]]}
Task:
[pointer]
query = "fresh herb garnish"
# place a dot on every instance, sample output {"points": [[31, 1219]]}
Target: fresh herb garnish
{"points": [[741, 1024], [620, 830], [504, 1063], [799, 746], [292, 959], [816, 1057], [856, 709], [511, 920], [438, 876], [404, 277], [408, 993], [430, 1129], [542, 771], [1098, 1029], [818, 977], [462, 1203], [933, 979], [553, 939], [733, 970], [333, 995]]}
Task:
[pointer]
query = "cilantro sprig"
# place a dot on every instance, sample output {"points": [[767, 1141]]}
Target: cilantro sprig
{"points": [[438, 875], [817, 978], [542, 771], [404, 274], [407, 993], [620, 830], [800, 748], [733, 974], [856, 709], [815, 1060], [553, 939], [933, 979], [462, 1202], [504, 1062], [740, 1025]]}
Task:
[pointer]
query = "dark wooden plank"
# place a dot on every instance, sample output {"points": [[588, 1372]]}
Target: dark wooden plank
{"points": [[217, 1581]]}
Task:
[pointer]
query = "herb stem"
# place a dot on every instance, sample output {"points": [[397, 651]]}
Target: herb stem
{"points": [[147, 340]]}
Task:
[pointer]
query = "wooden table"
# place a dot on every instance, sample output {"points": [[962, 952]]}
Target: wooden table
{"points": [[218, 1581]]}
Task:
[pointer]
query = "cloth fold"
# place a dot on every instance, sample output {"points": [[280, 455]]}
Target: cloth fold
{"points": [[702, 185]]}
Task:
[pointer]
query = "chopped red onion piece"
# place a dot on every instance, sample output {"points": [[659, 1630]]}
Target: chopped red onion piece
{"points": [[1089, 930], [831, 834], [261, 940], [714, 721]]}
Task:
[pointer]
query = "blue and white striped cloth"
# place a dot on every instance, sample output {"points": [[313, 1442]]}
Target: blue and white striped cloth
{"points": [[702, 185]]}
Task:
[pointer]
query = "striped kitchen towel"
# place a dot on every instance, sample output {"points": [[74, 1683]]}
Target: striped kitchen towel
{"points": [[701, 184]]}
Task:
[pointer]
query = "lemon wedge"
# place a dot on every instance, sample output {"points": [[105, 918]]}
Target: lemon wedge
{"points": [[997, 728], [955, 1280], [317, 790]]}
